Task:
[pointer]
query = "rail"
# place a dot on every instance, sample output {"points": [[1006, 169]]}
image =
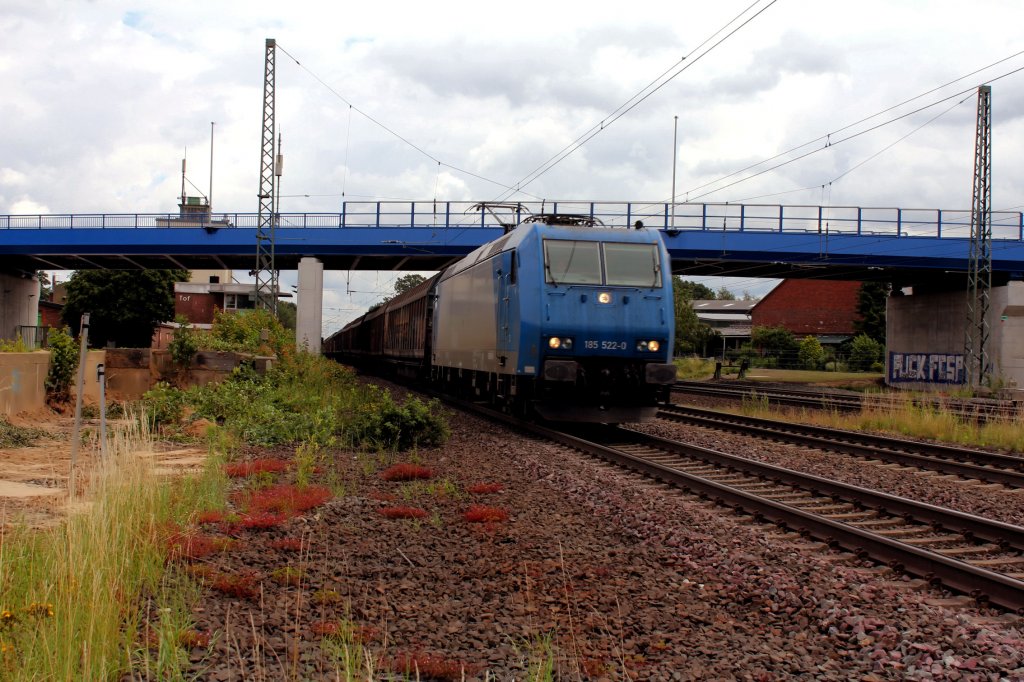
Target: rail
{"points": [[757, 218]]}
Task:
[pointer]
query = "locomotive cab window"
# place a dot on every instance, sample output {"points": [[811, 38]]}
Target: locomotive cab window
{"points": [[635, 265], [572, 262]]}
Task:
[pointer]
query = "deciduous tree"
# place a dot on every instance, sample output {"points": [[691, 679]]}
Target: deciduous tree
{"points": [[125, 306], [871, 308]]}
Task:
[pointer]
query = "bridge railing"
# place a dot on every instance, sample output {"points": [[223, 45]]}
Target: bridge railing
{"points": [[854, 220]]}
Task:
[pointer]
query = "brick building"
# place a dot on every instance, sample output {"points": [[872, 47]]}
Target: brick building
{"points": [[810, 307]]}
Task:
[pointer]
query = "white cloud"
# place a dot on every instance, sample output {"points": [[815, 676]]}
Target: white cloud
{"points": [[102, 99]]}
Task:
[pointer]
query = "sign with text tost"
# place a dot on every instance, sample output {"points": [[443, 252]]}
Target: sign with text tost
{"points": [[932, 368]]}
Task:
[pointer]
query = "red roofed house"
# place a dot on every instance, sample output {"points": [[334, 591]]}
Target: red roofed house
{"points": [[810, 307]]}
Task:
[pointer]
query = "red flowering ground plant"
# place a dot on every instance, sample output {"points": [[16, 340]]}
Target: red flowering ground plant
{"points": [[194, 639], [325, 628], [241, 585], [256, 466], [406, 472], [430, 666], [210, 516], [485, 488], [479, 513], [287, 544], [402, 512], [261, 520], [282, 499], [188, 546]]}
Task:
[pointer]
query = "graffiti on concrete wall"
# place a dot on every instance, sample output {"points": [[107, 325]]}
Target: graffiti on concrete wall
{"points": [[932, 368]]}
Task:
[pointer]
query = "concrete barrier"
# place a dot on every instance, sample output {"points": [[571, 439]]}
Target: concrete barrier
{"points": [[130, 372], [23, 381]]}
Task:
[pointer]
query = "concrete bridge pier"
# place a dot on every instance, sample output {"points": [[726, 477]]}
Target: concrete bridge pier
{"points": [[19, 303], [925, 338], [309, 316]]}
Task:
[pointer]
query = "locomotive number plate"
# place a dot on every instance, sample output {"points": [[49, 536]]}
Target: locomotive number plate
{"points": [[604, 345]]}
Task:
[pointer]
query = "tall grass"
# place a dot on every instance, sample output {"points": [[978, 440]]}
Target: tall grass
{"points": [[694, 368], [70, 596], [906, 418]]}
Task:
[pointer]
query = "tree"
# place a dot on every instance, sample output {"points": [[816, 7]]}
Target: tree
{"points": [[692, 335], [724, 294], [811, 354], [407, 282], [695, 291], [125, 306], [775, 342], [871, 308], [287, 312], [865, 353], [45, 286]]}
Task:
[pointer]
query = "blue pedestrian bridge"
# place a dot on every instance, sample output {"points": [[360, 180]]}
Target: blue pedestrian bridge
{"points": [[745, 240]]}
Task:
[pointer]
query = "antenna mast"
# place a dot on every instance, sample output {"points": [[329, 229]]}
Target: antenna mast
{"points": [[979, 276], [266, 270]]}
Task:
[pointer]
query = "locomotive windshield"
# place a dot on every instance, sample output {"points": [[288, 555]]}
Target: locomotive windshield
{"points": [[568, 261], [633, 265], [571, 262]]}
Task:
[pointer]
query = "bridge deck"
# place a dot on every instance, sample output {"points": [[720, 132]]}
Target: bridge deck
{"points": [[720, 239]]}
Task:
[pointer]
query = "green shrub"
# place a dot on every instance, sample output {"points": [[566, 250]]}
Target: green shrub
{"points": [[184, 344], [164, 404], [12, 436], [392, 426], [811, 355], [63, 363], [865, 353], [15, 346], [249, 331]]}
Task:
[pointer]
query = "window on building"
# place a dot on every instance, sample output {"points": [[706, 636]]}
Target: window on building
{"points": [[238, 302]]}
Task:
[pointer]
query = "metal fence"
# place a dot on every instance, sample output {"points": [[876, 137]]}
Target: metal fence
{"points": [[33, 336], [856, 220]]}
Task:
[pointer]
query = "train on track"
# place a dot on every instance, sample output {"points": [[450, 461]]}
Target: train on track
{"points": [[561, 317]]}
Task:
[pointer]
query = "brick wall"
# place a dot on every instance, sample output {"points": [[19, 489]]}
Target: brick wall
{"points": [[808, 306]]}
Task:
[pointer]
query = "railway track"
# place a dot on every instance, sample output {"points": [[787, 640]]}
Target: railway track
{"points": [[963, 552], [977, 409], [977, 465]]}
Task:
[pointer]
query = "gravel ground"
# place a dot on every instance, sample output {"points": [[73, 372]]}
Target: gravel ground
{"points": [[599, 574], [974, 497]]}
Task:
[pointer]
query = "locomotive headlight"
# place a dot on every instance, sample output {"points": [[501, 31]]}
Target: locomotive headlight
{"points": [[557, 342], [650, 345], [604, 297]]}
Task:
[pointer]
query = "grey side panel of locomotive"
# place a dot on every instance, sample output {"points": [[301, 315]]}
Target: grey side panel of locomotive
{"points": [[466, 320]]}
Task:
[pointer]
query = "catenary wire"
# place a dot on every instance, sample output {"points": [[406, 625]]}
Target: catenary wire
{"points": [[390, 130], [866, 160], [636, 100], [828, 137]]}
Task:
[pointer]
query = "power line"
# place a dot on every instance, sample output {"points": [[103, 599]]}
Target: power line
{"points": [[855, 167], [389, 130], [636, 99], [827, 138]]}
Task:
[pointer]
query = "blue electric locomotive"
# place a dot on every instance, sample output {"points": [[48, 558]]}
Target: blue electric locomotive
{"points": [[560, 317]]}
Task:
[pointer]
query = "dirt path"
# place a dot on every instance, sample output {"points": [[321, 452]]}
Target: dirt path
{"points": [[34, 479]]}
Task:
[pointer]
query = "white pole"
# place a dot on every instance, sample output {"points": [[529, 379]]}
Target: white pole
{"points": [[675, 147], [209, 197], [76, 435], [101, 377]]}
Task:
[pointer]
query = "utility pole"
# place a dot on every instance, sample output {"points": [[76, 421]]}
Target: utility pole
{"points": [[675, 147], [266, 269], [979, 275]]}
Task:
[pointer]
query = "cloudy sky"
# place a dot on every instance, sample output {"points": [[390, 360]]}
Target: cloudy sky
{"points": [[101, 100]]}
